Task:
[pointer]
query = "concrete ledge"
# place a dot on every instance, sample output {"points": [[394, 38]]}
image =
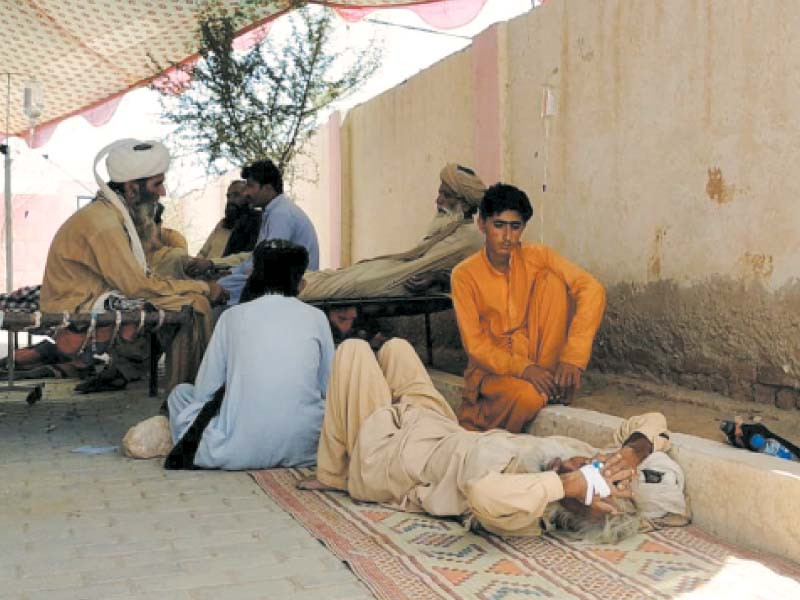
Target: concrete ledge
{"points": [[744, 498]]}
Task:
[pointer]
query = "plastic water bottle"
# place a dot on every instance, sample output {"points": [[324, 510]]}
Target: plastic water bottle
{"points": [[770, 446]]}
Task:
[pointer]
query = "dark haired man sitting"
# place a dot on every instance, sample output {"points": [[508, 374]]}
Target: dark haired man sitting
{"points": [[527, 318], [272, 353], [282, 219], [238, 230]]}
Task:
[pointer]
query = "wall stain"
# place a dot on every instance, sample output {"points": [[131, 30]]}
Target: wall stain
{"points": [[716, 188], [654, 262], [755, 266], [585, 52]]}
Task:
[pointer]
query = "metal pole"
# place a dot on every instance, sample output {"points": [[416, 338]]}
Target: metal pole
{"points": [[9, 216], [9, 240], [34, 393]]}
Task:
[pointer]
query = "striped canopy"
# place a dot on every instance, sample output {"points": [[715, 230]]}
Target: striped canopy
{"points": [[85, 54]]}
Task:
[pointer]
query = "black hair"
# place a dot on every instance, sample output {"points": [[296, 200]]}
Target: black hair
{"points": [[501, 197], [159, 214], [118, 187], [278, 268], [466, 170], [264, 172]]}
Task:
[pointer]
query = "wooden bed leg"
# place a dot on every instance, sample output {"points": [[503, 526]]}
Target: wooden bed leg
{"points": [[428, 338], [154, 355]]}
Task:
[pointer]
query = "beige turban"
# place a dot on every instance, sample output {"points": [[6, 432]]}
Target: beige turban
{"points": [[464, 183], [128, 160]]}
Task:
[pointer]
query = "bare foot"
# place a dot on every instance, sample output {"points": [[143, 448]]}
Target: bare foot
{"points": [[313, 484]]}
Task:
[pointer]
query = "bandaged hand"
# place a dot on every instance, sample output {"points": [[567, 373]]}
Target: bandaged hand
{"points": [[594, 489]]}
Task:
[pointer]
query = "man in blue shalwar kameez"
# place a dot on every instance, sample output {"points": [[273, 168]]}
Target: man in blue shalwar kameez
{"points": [[272, 353]]}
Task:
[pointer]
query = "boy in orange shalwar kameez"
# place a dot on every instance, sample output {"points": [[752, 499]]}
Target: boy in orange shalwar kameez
{"points": [[527, 318]]}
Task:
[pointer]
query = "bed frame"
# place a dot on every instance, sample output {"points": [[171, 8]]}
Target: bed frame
{"points": [[395, 306], [43, 323]]}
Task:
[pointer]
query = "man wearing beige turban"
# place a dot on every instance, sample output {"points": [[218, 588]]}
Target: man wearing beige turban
{"points": [[98, 253], [451, 237]]}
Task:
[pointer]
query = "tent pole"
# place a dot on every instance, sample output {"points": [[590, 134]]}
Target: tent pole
{"points": [[8, 235], [8, 215]]}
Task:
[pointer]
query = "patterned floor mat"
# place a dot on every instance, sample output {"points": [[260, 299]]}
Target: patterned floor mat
{"points": [[410, 556]]}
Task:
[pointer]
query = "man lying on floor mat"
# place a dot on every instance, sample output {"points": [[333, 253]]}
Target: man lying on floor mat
{"points": [[389, 436]]}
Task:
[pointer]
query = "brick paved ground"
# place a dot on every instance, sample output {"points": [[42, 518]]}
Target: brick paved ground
{"points": [[104, 526]]}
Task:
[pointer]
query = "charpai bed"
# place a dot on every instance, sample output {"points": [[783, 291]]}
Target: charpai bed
{"points": [[148, 322], [395, 306]]}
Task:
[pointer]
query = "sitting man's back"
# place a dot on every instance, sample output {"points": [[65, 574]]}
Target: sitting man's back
{"points": [[273, 355]]}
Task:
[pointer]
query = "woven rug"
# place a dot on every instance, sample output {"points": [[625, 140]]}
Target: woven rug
{"points": [[411, 556]]}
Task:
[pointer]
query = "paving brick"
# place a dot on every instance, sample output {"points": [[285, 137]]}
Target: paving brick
{"points": [[118, 589], [276, 589], [110, 527], [341, 591], [310, 581]]}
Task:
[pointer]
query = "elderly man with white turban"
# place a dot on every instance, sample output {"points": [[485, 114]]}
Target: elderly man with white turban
{"points": [[98, 252], [451, 237]]}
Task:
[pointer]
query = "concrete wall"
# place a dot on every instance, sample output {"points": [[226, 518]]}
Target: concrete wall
{"points": [[670, 164], [396, 144]]}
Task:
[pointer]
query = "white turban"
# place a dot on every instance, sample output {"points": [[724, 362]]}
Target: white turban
{"points": [[128, 160], [134, 159]]}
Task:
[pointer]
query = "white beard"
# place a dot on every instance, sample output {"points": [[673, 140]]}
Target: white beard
{"points": [[442, 220]]}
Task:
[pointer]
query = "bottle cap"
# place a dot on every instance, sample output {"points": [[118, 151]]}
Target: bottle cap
{"points": [[757, 441]]}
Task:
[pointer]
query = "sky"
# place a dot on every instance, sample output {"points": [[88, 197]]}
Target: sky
{"points": [[69, 153]]}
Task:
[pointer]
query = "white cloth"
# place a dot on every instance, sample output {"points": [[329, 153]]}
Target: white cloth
{"points": [[149, 439], [125, 162], [654, 500]]}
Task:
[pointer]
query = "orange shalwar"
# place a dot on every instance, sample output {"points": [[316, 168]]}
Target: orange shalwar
{"points": [[545, 310]]}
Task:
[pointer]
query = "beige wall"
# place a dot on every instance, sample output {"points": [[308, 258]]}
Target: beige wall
{"points": [[671, 161], [653, 96], [309, 189], [397, 144]]}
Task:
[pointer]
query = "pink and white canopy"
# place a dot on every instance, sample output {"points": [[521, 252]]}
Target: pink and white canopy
{"points": [[86, 54]]}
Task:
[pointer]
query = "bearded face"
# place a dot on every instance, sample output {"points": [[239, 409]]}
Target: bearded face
{"points": [[143, 212], [232, 213], [442, 220]]}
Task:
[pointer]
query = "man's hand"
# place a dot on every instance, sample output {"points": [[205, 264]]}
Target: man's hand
{"points": [[419, 283], [198, 266], [618, 480], [635, 450], [541, 379], [568, 380], [377, 341], [217, 293]]}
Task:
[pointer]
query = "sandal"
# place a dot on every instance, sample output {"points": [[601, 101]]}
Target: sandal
{"points": [[101, 384]]}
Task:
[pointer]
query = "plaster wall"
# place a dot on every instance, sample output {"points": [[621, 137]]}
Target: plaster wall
{"points": [[309, 189], [396, 144], [669, 171], [670, 163]]}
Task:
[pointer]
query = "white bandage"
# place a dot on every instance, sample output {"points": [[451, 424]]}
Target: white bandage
{"points": [[595, 484]]}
